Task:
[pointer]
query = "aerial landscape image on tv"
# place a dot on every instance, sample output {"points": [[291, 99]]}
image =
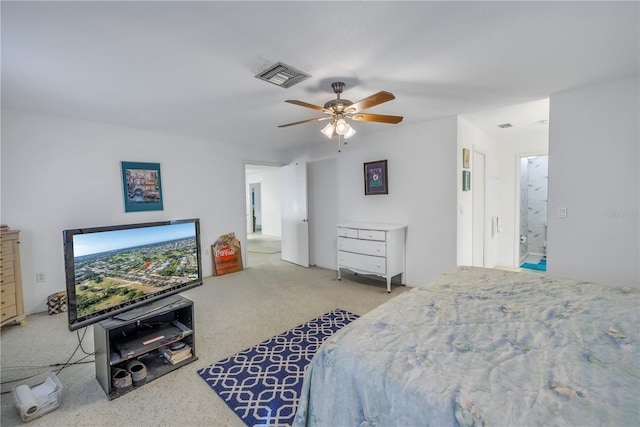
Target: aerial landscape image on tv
{"points": [[114, 267]]}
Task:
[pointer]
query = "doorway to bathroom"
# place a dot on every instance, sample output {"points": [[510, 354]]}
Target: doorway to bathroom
{"points": [[532, 238]]}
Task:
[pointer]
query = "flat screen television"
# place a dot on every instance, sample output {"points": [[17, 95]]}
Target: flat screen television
{"points": [[111, 270]]}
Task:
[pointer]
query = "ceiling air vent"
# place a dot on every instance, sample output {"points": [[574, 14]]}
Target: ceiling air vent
{"points": [[505, 125], [282, 75]]}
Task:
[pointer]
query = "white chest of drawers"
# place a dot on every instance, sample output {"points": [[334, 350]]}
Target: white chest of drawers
{"points": [[369, 248]]}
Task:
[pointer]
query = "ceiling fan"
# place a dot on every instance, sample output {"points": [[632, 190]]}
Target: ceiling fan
{"points": [[338, 110]]}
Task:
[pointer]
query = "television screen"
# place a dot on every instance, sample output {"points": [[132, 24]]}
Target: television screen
{"points": [[110, 270]]}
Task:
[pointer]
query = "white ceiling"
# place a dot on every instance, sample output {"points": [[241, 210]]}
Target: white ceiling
{"points": [[188, 67]]}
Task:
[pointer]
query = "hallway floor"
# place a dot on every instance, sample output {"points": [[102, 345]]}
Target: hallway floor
{"points": [[262, 249]]}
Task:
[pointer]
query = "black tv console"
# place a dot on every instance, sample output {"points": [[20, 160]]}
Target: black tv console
{"points": [[150, 337]]}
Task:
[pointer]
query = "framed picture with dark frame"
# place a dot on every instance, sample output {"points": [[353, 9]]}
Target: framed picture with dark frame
{"points": [[376, 180], [466, 180], [142, 186]]}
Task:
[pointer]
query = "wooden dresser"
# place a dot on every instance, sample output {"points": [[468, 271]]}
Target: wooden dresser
{"points": [[378, 249], [11, 304]]}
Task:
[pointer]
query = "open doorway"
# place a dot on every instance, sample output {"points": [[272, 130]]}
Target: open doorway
{"points": [[532, 238], [263, 213]]}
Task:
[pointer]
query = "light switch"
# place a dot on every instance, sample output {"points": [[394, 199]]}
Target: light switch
{"points": [[562, 212]]}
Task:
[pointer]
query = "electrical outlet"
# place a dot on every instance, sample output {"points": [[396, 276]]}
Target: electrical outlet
{"points": [[40, 278]]}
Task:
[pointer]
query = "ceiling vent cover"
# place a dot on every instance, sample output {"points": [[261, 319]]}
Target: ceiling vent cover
{"points": [[282, 75], [505, 125]]}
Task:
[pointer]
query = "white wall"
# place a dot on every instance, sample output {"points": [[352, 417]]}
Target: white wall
{"points": [[422, 192], [271, 216], [60, 173], [323, 187], [471, 137], [594, 140], [269, 179]]}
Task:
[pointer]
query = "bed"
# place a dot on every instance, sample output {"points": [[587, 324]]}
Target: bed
{"points": [[482, 347]]}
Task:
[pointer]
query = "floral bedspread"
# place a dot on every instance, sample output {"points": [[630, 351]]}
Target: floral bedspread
{"points": [[482, 347]]}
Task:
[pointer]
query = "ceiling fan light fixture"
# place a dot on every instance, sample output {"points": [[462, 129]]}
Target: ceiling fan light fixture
{"points": [[338, 110], [328, 130], [342, 126], [349, 133]]}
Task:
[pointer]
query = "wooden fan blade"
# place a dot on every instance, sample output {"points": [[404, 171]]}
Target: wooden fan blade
{"points": [[371, 101], [306, 104], [304, 121], [377, 118]]}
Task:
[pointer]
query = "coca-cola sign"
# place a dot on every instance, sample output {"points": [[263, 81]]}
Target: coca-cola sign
{"points": [[226, 253], [227, 256]]}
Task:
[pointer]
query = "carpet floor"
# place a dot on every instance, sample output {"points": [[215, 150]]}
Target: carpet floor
{"points": [[233, 312], [262, 383]]}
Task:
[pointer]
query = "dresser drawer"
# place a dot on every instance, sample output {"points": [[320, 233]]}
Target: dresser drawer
{"points": [[11, 300], [8, 293], [372, 235], [366, 263], [347, 232], [7, 276], [7, 247], [8, 312], [367, 247], [7, 260], [7, 300]]}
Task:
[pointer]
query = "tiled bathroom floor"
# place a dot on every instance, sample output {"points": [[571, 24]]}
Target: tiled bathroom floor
{"points": [[532, 259]]}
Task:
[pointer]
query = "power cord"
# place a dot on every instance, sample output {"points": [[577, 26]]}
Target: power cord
{"points": [[62, 366], [80, 342], [78, 347]]}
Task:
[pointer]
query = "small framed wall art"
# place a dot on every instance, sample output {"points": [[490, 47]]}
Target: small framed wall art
{"points": [[466, 180], [375, 178], [465, 158], [142, 186]]}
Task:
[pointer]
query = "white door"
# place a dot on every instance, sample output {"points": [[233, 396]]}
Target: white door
{"points": [[295, 224], [479, 215]]}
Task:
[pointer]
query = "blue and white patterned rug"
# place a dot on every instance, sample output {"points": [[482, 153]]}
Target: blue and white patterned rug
{"points": [[262, 384]]}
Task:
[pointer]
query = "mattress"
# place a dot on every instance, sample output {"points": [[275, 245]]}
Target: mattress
{"points": [[483, 347]]}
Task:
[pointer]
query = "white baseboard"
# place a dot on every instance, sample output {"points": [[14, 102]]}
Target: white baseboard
{"points": [[507, 268]]}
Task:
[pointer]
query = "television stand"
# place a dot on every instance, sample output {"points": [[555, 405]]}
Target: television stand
{"points": [[146, 338]]}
